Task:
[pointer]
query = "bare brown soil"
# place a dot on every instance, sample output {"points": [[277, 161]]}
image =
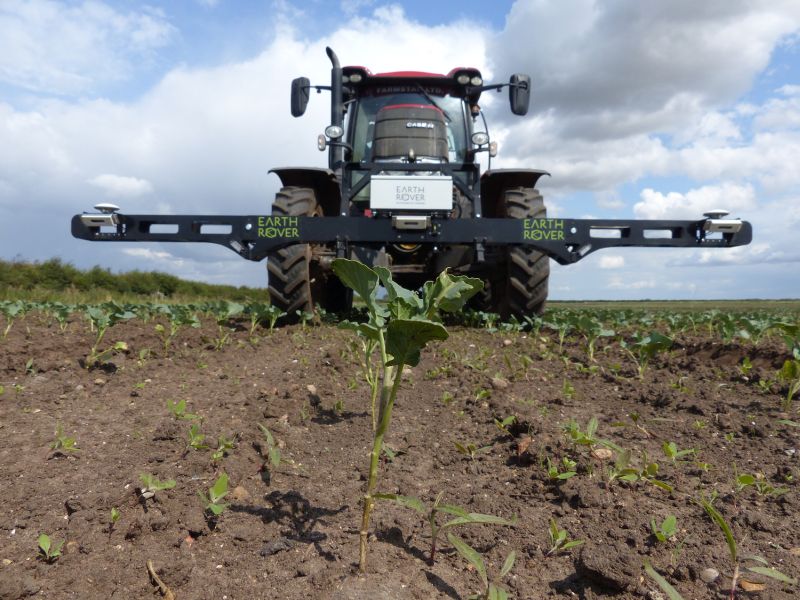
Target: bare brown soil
{"points": [[295, 534]]}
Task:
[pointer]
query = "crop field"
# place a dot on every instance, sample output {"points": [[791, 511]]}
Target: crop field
{"points": [[214, 451]]}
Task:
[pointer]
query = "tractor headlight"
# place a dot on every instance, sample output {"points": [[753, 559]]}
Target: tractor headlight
{"points": [[334, 132], [355, 77], [480, 138], [462, 79], [476, 81]]}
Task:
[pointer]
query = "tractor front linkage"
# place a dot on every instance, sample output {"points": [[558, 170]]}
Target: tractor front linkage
{"points": [[565, 240]]}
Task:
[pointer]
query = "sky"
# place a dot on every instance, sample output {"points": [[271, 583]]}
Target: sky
{"points": [[638, 110]]}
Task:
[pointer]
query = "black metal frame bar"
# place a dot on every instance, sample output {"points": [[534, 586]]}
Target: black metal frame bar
{"points": [[253, 237]]}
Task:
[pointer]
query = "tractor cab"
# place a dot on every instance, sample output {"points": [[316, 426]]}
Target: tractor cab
{"points": [[407, 117]]}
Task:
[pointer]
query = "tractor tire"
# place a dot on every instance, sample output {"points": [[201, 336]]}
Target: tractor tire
{"points": [[297, 280], [522, 287]]}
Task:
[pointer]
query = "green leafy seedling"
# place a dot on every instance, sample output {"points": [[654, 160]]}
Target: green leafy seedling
{"points": [[556, 474], [666, 530], [223, 446], [559, 540], [273, 451], [675, 455], [260, 312], [223, 311], [272, 458], [101, 318], [643, 348], [401, 327], [115, 515], [151, 485], [759, 483], [491, 590], [179, 315], [469, 449], [48, 551], [587, 438], [196, 439], [505, 423], [213, 500], [63, 443], [790, 374], [11, 310], [622, 469], [178, 410]]}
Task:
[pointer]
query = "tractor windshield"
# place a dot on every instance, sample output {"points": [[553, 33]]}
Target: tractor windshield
{"points": [[368, 106]]}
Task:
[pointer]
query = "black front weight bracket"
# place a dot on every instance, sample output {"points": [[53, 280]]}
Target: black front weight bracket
{"points": [[565, 240]]}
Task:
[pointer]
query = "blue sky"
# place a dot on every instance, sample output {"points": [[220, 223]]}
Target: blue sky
{"points": [[647, 110]]}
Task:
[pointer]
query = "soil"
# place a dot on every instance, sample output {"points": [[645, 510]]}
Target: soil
{"points": [[292, 531]]}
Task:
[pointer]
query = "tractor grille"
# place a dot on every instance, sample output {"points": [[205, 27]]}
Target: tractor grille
{"points": [[402, 128]]}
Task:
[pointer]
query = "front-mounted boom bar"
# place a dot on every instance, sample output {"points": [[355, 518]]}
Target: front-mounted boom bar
{"points": [[565, 240]]}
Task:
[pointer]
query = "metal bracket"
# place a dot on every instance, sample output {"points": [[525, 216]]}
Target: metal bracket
{"points": [[565, 240]]}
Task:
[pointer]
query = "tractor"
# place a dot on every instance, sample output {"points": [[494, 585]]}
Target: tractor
{"points": [[403, 189]]}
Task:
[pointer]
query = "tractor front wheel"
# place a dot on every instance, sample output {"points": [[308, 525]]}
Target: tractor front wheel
{"points": [[298, 279], [520, 287]]}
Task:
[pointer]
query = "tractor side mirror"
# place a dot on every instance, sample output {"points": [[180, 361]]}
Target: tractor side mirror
{"points": [[301, 88], [519, 93]]}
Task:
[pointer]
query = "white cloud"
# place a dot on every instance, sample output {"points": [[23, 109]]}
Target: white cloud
{"points": [[152, 255], [641, 65], [71, 48], [736, 199], [119, 186], [612, 261]]}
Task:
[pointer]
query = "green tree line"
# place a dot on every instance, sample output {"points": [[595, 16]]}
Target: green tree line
{"points": [[55, 277]]}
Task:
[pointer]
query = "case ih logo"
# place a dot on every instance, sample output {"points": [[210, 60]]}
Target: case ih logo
{"points": [[419, 125]]}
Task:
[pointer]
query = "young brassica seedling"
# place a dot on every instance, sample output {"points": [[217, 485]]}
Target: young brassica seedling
{"points": [[666, 530], [790, 374], [555, 474], [178, 410], [179, 315], [213, 500], [196, 439], [48, 551], [401, 328], [644, 348], [11, 310], [260, 312], [151, 485], [62, 443], [223, 312], [115, 515], [272, 458], [675, 455], [101, 318], [505, 424], [223, 445], [471, 450]]}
